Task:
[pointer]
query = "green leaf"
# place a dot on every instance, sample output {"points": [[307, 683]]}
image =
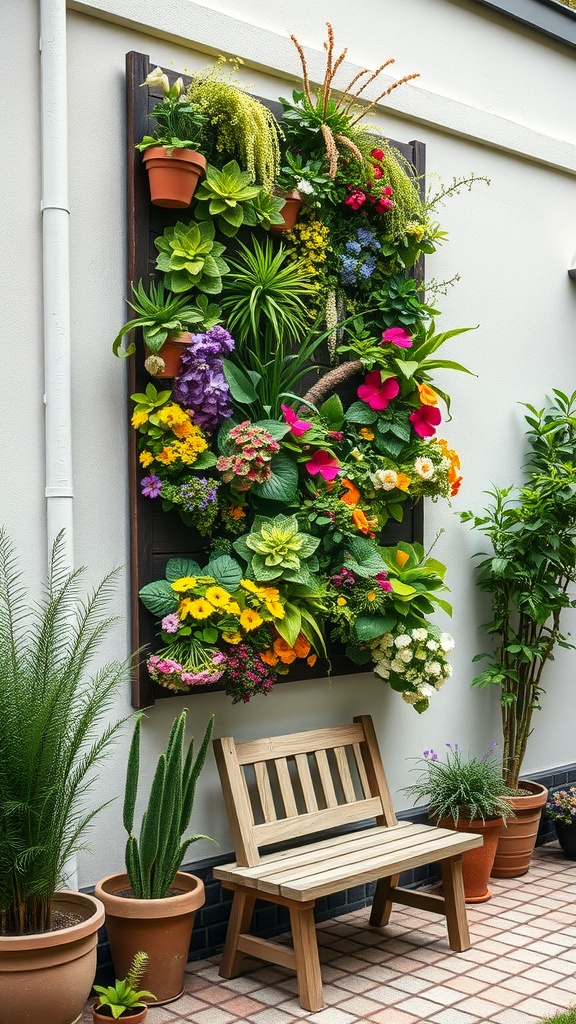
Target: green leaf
{"points": [[179, 567], [369, 627], [226, 571], [333, 412], [290, 626], [241, 387], [282, 484], [205, 461], [360, 412], [275, 429], [159, 598]]}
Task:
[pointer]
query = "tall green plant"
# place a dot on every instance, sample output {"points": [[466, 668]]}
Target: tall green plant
{"points": [[53, 732], [529, 571], [153, 860]]}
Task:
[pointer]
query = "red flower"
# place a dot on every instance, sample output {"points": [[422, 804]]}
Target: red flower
{"points": [[377, 171], [383, 205], [397, 336], [356, 199], [376, 392], [425, 420], [387, 191], [378, 154]]}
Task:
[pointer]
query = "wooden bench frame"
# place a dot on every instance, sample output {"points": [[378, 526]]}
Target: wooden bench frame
{"points": [[296, 877]]}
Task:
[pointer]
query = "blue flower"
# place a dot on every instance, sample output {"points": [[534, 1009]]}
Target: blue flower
{"points": [[353, 247]]}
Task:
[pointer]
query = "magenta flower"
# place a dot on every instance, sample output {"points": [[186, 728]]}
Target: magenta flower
{"points": [[151, 486], [376, 392], [323, 463], [356, 199], [383, 581], [425, 420], [384, 205], [378, 154], [397, 336], [298, 427]]}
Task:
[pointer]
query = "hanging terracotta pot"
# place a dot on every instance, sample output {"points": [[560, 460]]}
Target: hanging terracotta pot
{"points": [[173, 177], [477, 863], [47, 977], [171, 353], [290, 211], [516, 842], [99, 1016], [163, 928]]}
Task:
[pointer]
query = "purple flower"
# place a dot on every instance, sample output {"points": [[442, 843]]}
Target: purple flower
{"points": [[202, 388], [151, 486]]}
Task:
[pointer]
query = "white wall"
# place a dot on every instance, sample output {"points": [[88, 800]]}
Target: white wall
{"points": [[511, 244]]}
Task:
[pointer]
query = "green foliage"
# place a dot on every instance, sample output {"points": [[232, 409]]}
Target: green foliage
{"points": [[459, 787], [275, 549], [529, 570], [240, 127], [566, 1016], [179, 125], [190, 258], [124, 995], [153, 859], [53, 730], [162, 315], [224, 196], [264, 210]]}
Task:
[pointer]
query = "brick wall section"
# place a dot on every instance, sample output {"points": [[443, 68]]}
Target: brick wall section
{"points": [[212, 919]]}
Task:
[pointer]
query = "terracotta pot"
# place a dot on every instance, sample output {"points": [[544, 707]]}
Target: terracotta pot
{"points": [[516, 841], [173, 177], [171, 352], [290, 211], [162, 928], [477, 863], [567, 839], [127, 1017], [48, 977]]}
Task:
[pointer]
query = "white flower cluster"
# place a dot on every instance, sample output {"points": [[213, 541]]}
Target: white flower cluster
{"points": [[418, 659]]}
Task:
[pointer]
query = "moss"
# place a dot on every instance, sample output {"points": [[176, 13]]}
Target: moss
{"points": [[567, 1016]]}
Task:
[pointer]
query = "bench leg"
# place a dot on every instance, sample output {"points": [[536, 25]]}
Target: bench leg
{"points": [[305, 944], [240, 918], [381, 905], [453, 886]]}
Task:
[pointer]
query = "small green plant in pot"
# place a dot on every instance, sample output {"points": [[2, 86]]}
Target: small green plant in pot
{"points": [[153, 904], [466, 794], [162, 315], [123, 999]]}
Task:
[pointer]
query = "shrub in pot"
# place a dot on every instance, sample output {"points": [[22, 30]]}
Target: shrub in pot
{"points": [[561, 809], [152, 905], [51, 710], [123, 999], [466, 794], [528, 574]]}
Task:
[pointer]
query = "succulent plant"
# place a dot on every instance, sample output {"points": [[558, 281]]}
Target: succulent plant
{"points": [[123, 995], [225, 196], [275, 549], [264, 210], [190, 258]]}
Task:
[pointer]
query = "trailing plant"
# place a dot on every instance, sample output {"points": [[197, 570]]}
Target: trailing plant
{"points": [[124, 995], [153, 859], [53, 730], [179, 124], [162, 315], [529, 571], [457, 786], [190, 258]]}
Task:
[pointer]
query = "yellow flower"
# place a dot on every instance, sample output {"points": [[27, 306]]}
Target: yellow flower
{"points": [[167, 455], [183, 584], [401, 558], [249, 619], [145, 458], [341, 601], [233, 608], [200, 609], [275, 608], [171, 415], [138, 419], [252, 587], [184, 607], [231, 638], [370, 596], [217, 596], [367, 434]]}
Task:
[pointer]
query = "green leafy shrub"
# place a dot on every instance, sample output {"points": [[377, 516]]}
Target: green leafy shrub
{"points": [[462, 787], [190, 258]]}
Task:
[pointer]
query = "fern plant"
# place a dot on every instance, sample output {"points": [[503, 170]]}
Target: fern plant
{"points": [[153, 860], [51, 736], [124, 995]]}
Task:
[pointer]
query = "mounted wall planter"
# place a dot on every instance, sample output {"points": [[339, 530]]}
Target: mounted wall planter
{"points": [[516, 842], [171, 352], [173, 177], [163, 928], [290, 211], [47, 977]]}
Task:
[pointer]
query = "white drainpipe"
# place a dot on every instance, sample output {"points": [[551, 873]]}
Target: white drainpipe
{"points": [[56, 289]]}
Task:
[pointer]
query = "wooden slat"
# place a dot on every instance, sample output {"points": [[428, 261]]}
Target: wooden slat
{"points": [[237, 801], [282, 901], [298, 743], [316, 821], [344, 773], [361, 770], [263, 949], [285, 784], [265, 791], [419, 900], [326, 778], [308, 793], [375, 769]]}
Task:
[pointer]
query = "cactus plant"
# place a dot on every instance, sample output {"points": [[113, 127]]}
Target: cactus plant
{"points": [[153, 860]]}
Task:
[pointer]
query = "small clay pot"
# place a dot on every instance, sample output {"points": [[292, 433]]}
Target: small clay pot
{"points": [[173, 177], [290, 211], [516, 842], [129, 1017], [171, 352]]}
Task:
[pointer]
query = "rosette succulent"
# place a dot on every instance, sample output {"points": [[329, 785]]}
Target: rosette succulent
{"points": [[276, 549], [190, 258], [224, 196]]}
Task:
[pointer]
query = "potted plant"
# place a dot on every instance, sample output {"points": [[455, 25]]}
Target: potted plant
{"points": [[299, 180], [466, 794], [561, 809], [122, 999], [152, 905], [528, 573], [172, 154], [51, 708]]}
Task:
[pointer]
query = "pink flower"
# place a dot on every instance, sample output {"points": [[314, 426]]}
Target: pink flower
{"points": [[298, 427], [378, 154], [384, 205], [376, 392], [387, 191], [397, 336], [337, 435], [425, 420], [323, 463], [356, 199], [377, 171]]}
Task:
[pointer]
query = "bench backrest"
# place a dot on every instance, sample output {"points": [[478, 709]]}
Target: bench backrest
{"points": [[284, 787]]}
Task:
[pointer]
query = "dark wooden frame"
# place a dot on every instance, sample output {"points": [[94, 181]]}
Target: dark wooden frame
{"points": [[156, 536]]}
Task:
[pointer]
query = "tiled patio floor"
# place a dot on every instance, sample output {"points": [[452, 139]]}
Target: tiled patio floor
{"points": [[521, 967]]}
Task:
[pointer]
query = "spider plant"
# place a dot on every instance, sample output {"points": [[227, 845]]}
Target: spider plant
{"points": [[53, 731], [162, 314]]}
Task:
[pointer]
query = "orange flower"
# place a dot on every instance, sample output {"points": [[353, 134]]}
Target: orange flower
{"points": [[426, 394], [361, 522], [366, 434], [302, 646], [236, 512], [401, 558], [311, 660], [269, 658], [285, 653], [402, 482], [352, 496]]}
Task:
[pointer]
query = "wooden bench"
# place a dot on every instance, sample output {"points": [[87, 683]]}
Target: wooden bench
{"points": [[287, 787]]}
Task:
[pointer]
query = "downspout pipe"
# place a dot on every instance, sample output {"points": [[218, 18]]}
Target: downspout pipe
{"points": [[56, 291], [56, 275]]}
